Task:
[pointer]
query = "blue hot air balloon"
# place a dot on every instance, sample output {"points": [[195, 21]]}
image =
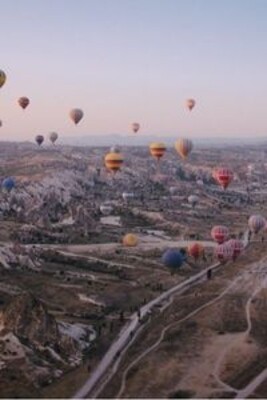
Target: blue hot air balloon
{"points": [[8, 184], [173, 258]]}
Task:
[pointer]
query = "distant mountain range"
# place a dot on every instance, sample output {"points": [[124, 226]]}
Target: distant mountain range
{"points": [[139, 140]]}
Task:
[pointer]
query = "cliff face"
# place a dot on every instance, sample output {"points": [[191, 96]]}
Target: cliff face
{"points": [[32, 347]]}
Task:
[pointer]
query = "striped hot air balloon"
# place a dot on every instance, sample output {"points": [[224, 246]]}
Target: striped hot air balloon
{"points": [[223, 176], [256, 223], [237, 246], [219, 233], [183, 147], [157, 150], [224, 252], [114, 161]]}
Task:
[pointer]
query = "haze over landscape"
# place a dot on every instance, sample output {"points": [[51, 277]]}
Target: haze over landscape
{"points": [[133, 184]]}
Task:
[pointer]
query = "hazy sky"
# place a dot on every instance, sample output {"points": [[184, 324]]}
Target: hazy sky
{"points": [[134, 60]]}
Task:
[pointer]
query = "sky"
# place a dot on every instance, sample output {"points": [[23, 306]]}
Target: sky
{"points": [[134, 60]]}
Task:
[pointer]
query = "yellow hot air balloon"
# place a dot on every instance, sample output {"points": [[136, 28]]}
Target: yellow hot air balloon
{"points": [[2, 78], [190, 104], [183, 147], [157, 150], [114, 161], [130, 240]]}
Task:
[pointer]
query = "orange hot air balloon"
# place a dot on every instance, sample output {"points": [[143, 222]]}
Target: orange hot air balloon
{"points": [[114, 161], [183, 147], [23, 102], [157, 150], [76, 114], [135, 127], [219, 233], [130, 240], [223, 176], [2, 78], [190, 104], [195, 250]]}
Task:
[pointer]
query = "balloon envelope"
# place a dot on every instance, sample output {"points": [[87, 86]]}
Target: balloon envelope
{"points": [[219, 233], [113, 161], [76, 114], [256, 223], [173, 259], [53, 136], [39, 139], [223, 176], [130, 240], [8, 184], [23, 102], [183, 147], [157, 149], [2, 78], [190, 104], [135, 127]]}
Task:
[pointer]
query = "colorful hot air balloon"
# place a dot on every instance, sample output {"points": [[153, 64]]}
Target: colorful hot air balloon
{"points": [[157, 150], [193, 200], [224, 252], [195, 250], [223, 176], [237, 247], [183, 147], [130, 240], [219, 233], [173, 258], [53, 136], [8, 184], [135, 127], [39, 139], [190, 104], [256, 223], [76, 115], [113, 161], [23, 102], [2, 78]]}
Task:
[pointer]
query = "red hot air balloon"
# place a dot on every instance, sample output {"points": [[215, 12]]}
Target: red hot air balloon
{"points": [[76, 114], [237, 247], [223, 176], [219, 233], [195, 250], [23, 102], [224, 252]]}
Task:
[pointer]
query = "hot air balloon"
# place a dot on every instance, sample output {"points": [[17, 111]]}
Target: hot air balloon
{"points": [[76, 115], [157, 150], [113, 161], [173, 258], [2, 78], [39, 139], [8, 184], [1, 123], [195, 250], [224, 252], [193, 200], [115, 149], [130, 240], [256, 223], [135, 127], [237, 247], [53, 136], [183, 147], [106, 209], [23, 102], [219, 233], [190, 104], [223, 176]]}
